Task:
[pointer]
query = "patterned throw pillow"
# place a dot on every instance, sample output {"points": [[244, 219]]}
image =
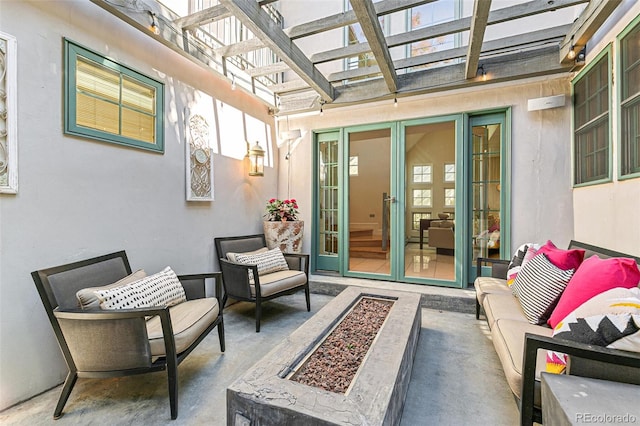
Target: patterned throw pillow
{"points": [[267, 262], [610, 319], [161, 289], [88, 299], [519, 260], [538, 288]]}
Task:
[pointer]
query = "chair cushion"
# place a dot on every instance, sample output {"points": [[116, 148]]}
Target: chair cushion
{"points": [[88, 299], [538, 287], [508, 340], [188, 320], [276, 282], [270, 261], [161, 289]]}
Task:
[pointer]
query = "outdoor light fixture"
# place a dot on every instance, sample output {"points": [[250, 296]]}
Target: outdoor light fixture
{"points": [[395, 102], [154, 27], [482, 72], [256, 160], [233, 82]]}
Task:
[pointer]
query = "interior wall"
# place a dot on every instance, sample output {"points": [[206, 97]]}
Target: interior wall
{"points": [[80, 198], [541, 202]]}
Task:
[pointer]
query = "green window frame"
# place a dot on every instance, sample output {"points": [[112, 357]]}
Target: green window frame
{"points": [[110, 102], [591, 118], [629, 79]]}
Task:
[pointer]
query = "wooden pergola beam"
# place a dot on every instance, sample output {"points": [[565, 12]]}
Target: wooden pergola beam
{"points": [[263, 27], [476, 35], [585, 26], [371, 28]]}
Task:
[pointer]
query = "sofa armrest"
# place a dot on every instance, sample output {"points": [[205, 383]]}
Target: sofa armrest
{"points": [[499, 267], [195, 287], [534, 342]]}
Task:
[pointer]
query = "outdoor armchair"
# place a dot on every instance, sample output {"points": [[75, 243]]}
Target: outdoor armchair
{"points": [[243, 280], [99, 343]]}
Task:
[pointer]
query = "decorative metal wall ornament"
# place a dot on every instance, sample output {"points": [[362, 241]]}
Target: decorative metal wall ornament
{"points": [[199, 165], [8, 115]]}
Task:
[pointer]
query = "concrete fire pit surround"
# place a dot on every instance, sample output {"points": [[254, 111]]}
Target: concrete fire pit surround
{"points": [[265, 396]]}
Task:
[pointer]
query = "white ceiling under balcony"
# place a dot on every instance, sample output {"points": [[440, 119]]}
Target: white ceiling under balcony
{"points": [[362, 55]]}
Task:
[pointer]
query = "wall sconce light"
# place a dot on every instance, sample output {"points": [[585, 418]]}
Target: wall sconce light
{"points": [[154, 26], [233, 82], [256, 160], [482, 72], [395, 102]]}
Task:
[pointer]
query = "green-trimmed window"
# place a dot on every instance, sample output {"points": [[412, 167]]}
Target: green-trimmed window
{"points": [[630, 102], [591, 122], [110, 102]]}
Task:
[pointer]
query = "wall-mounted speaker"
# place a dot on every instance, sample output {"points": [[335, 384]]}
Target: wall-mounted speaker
{"points": [[546, 102]]}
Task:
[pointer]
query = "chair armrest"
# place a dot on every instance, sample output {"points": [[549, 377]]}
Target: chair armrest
{"points": [[298, 261], [498, 267], [195, 287], [235, 278], [533, 342], [112, 339]]}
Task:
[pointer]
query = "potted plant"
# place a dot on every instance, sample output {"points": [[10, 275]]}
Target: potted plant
{"points": [[282, 228]]}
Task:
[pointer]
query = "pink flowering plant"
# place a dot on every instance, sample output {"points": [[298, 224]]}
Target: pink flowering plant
{"points": [[281, 211]]}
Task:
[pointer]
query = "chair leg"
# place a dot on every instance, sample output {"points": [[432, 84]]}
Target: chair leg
{"points": [[69, 382], [258, 314], [221, 335], [224, 302], [306, 292], [477, 309], [172, 375]]}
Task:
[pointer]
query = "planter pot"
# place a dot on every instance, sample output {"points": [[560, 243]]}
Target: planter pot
{"points": [[285, 235]]}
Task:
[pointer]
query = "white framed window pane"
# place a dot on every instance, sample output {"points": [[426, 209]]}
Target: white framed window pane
{"points": [[353, 166], [450, 172], [422, 197], [415, 219], [450, 197], [422, 173]]}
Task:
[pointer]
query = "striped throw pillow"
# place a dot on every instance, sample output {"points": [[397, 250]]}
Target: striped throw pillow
{"points": [[539, 286]]}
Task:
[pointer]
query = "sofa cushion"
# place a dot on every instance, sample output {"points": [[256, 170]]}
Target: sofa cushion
{"points": [[563, 259], [270, 261], [593, 277], [276, 282], [161, 289], [188, 320], [502, 306], [88, 299], [538, 287], [490, 285], [508, 340]]}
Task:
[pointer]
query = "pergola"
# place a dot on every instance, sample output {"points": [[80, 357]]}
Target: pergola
{"points": [[527, 54]]}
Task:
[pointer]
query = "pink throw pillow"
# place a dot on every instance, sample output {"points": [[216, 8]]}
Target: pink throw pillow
{"points": [[593, 277], [563, 259]]}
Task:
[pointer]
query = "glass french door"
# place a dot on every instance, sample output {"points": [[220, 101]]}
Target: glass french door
{"points": [[371, 202], [327, 211], [488, 238]]}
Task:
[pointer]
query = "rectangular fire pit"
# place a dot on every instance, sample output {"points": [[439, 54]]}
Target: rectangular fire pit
{"points": [[265, 395]]}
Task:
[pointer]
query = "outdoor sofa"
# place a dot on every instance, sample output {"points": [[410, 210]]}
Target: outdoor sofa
{"points": [[522, 347]]}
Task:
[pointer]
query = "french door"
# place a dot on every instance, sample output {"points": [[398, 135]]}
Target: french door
{"points": [[413, 201]]}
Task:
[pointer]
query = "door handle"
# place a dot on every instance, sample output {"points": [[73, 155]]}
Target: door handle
{"points": [[392, 199]]}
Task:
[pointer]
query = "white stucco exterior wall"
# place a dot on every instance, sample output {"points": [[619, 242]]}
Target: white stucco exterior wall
{"points": [[607, 214], [80, 198], [541, 202]]}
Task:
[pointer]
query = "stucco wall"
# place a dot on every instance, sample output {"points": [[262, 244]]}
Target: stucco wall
{"points": [[80, 198], [541, 202], [607, 214]]}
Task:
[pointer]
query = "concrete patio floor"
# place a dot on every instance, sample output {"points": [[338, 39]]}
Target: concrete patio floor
{"points": [[456, 377]]}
